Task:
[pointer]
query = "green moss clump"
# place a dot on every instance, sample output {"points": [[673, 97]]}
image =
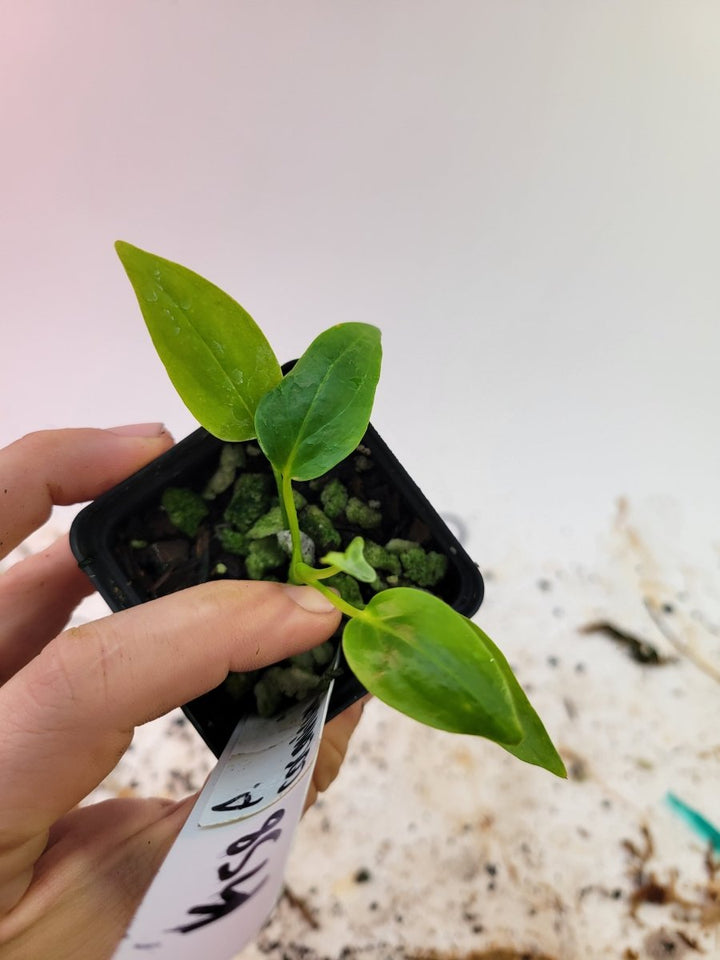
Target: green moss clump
{"points": [[274, 520], [303, 660], [348, 588], [323, 654], [239, 685], [363, 463], [317, 657], [381, 558], [398, 546], [262, 557], [423, 568], [185, 509], [283, 683], [233, 541], [334, 498], [232, 456], [296, 683], [319, 528], [275, 687], [268, 696], [362, 514], [252, 497], [268, 524]]}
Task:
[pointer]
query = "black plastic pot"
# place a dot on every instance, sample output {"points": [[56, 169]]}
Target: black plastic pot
{"points": [[99, 540]]}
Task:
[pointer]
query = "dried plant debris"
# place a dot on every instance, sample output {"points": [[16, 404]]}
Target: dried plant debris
{"points": [[648, 888], [491, 953], [664, 943], [301, 905], [710, 907], [639, 649], [578, 768], [660, 615], [295, 951]]}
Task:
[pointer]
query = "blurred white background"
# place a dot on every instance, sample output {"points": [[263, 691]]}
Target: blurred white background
{"points": [[523, 196]]}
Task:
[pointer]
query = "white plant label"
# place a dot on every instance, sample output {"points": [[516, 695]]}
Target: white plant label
{"points": [[224, 873]]}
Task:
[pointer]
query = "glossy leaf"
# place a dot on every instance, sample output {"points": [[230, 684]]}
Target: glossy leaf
{"points": [[536, 746], [352, 560], [318, 413], [215, 354], [421, 657], [418, 655]]}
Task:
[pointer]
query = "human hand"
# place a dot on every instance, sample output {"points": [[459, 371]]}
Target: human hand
{"points": [[71, 878]]}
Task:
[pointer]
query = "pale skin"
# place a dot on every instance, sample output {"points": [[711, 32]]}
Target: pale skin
{"points": [[71, 877]]}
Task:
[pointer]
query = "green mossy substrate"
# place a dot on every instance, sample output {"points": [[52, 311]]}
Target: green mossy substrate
{"points": [[229, 524]]}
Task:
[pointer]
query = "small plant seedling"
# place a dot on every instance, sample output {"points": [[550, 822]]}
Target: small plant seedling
{"points": [[406, 646]]}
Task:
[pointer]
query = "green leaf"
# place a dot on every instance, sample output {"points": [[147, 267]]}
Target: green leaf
{"points": [[536, 746], [421, 657], [418, 655], [318, 413], [217, 357], [352, 561]]}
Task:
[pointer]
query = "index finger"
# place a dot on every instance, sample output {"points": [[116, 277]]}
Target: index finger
{"points": [[67, 466], [68, 716]]}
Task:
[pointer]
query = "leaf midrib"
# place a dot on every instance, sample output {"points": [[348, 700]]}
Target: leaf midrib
{"points": [[299, 438], [207, 346]]}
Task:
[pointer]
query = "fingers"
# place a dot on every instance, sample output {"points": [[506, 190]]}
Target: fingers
{"points": [[67, 717], [99, 862], [38, 595], [37, 598], [67, 466], [333, 747], [17, 867]]}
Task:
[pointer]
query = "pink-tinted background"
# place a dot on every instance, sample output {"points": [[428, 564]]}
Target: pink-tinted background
{"points": [[523, 196]]}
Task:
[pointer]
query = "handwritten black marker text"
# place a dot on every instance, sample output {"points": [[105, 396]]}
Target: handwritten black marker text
{"points": [[236, 891]]}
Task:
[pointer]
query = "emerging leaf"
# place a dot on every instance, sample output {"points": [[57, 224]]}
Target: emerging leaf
{"points": [[318, 413], [217, 357], [352, 561]]}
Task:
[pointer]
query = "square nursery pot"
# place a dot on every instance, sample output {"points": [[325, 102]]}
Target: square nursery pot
{"points": [[128, 547]]}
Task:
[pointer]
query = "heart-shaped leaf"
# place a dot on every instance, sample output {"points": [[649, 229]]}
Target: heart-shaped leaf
{"points": [[217, 357], [352, 560], [318, 413]]}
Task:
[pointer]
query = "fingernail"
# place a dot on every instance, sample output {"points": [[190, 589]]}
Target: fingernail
{"points": [[309, 599], [138, 430]]}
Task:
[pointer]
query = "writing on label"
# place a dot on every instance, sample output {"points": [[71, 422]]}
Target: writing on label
{"points": [[301, 745], [236, 891], [232, 849]]}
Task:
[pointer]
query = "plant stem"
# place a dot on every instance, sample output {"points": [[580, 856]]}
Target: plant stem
{"points": [[337, 601], [279, 485], [311, 574], [288, 503], [301, 572]]}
